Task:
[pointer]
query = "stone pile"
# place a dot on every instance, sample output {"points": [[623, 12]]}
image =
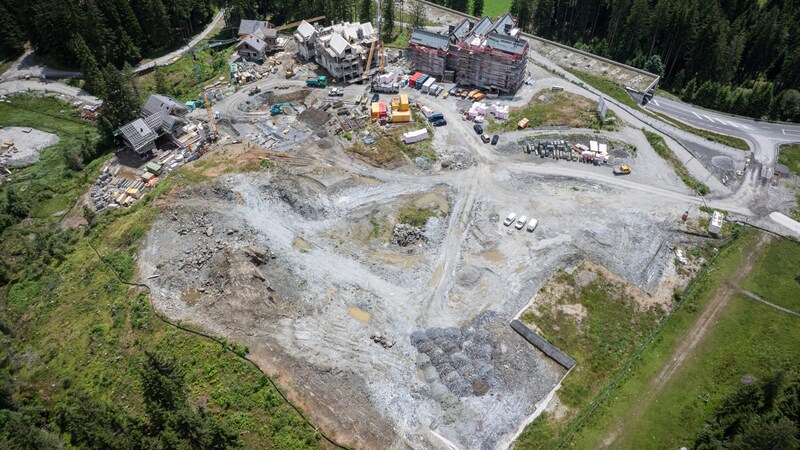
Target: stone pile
{"points": [[405, 235]]}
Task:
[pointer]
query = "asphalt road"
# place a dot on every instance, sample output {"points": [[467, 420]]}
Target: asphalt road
{"points": [[755, 131], [164, 60]]}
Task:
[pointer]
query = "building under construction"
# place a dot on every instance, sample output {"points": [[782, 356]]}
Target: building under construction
{"points": [[484, 54], [342, 49]]}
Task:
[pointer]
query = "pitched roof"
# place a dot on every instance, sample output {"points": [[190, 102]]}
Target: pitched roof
{"points": [[483, 26], [306, 30], [428, 39], [338, 44], [461, 30], [506, 43], [161, 103], [138, 134], [255, 43], [251, 26], [499, 26]]}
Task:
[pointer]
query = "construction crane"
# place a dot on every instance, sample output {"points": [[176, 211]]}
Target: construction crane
{"points": [[212, 124], [294, 24], [369, 61]]}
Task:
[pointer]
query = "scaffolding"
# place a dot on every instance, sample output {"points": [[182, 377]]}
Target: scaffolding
{"points": [[489, 56]]}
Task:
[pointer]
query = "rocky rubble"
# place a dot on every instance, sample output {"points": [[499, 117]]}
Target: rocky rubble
{"points": [[405, 235]]}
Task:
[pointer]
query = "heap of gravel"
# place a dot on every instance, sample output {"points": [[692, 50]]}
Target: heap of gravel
{"points": [[405, 235]]}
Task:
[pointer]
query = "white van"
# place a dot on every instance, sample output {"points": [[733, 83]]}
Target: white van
{"points": [[521, 222], [532, 225], [510, 219]]}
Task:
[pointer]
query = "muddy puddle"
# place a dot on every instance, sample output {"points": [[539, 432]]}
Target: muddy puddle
{"points": [[358, 313]]}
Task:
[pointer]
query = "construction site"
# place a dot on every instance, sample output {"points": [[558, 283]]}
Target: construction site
{"points": [[485, 54], [374, 246]]}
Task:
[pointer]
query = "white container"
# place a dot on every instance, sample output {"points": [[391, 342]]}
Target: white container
{"points": [[415, 136]]}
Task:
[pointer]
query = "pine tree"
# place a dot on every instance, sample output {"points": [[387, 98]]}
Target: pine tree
{"points": [[522, 10], [365, 11], [161, 82], [120, 103], [418, 17], [477, 8], [388, 18], [88, 64]]}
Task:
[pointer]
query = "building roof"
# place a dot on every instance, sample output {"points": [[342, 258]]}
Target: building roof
{"points": [[162, 103], [483, 26], [251, 26], [428, 39], [138, 134], [253, 42], [305, 30], [499, 26], [338, 44], [461, 30], [506, 44]]}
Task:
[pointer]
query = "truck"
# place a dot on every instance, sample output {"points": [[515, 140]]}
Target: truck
{"points": [[622, 170], [393, 88], [320, 81]]}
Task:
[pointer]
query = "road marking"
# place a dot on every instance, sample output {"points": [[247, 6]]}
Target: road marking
{"points": [[734, 124], [790, 132], [698, 115], [656, 102]]}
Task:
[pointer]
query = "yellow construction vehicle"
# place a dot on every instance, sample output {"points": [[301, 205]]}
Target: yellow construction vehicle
{"points": [[290, 72], [622, 170]]}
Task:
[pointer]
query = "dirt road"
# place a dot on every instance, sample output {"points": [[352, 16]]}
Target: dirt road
{"points": [[687, 349]]}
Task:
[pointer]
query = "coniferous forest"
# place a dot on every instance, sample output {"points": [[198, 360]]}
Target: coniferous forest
{"points": [[739, 56]]}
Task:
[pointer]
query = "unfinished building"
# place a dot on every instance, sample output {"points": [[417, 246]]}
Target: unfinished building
{"points": [[342, 49], [487, 55], [160, 116]]}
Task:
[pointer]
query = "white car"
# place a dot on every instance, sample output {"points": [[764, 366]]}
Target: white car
{"points": [[521, 222], [532, 225], [510, 219], [335, 92]]}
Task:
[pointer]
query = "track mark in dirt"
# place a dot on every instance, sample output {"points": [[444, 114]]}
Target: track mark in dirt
{"points": [[688, 346]]}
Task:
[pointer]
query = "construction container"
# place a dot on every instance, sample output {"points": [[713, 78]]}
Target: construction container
{"points": [[378, 110], [426, 111], [396, 103], [427, 84], [415, 136], [403, 102], [413, 80], [593, 146], [401, 116], [421, 82]]}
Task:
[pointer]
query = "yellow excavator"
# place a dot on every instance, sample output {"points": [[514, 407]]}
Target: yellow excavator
{"points": [[622, 170]]}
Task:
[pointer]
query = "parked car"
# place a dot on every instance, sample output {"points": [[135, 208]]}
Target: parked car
{"points": [[335, 92], [532, 225], [485, 138], [439, 123], [510, 219], [435, 117], [375, 98], [521, 222], [478, 129], [494, 139]]}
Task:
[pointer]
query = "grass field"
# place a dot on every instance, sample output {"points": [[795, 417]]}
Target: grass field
{"points": [[610, 88], [555, 109], [49, 184], [600, 341], [778, 278], [748, 338], [789, 156], [494, 8], [181, 76], [657, 141]]}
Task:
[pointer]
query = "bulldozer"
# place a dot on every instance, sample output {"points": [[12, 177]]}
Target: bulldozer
{"points": [[278, 108], [622, 170]]}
